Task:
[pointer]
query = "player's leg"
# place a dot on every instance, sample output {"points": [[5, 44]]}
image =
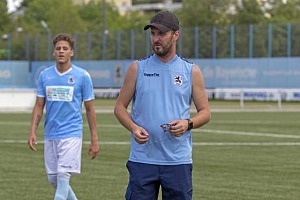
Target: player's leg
{"points": [[62, 156], [50, 157], [71, 194], [143, 181], [62, 190], [176, 182], [69, 154], [52, 178]]}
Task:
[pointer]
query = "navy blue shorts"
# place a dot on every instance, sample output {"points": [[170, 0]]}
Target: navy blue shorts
{"points": [[145, 180]]}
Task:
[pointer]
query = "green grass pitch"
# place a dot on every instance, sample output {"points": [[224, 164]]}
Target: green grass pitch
{"points": [[237, 156]]}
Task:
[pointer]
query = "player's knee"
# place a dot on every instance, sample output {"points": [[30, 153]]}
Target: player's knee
{"points": [[64, 175], [52, 178]]}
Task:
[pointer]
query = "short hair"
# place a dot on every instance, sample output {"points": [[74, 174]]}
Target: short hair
{"points": [[63, 37]]}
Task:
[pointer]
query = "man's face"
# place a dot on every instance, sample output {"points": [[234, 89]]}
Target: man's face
{"points": [[63, 52], [162, 42]]}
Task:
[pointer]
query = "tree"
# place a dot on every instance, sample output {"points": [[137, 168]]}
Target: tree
{"points": [[249, 12], [99, 15], [4, 16], [60, 16], [94, 13], [65, 17], [135, 20], [205, 12], [284, 13]]}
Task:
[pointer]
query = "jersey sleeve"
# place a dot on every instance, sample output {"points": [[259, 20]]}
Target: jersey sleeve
{"points": [[88, 91], [40, 89]]}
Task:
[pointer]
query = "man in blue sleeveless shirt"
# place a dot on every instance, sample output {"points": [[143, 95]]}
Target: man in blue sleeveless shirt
{"points": [[161, 88], [62, 88]]}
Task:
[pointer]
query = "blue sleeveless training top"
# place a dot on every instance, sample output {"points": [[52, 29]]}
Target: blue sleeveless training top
{"points": [[163, 93]]}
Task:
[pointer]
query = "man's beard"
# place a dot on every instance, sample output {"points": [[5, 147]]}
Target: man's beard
{"points": [[164, 50]]}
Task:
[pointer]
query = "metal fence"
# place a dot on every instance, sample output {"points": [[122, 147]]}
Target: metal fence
{"points": [[234, 41]]}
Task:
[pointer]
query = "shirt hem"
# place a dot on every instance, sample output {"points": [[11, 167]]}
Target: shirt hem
{"points": [[161, 163]]}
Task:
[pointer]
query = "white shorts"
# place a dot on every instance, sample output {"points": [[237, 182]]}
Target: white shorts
{"points": [[63, 155]]}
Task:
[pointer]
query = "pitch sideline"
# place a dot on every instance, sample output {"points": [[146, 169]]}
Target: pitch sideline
{"points": [[194, 144]]}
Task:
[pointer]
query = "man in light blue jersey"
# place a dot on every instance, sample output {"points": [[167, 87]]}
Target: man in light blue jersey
{"points": [[161, 88], [63, 88]]}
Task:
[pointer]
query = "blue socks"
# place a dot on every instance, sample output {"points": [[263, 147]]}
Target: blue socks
{"points": [[71, 194], [63, 189]]}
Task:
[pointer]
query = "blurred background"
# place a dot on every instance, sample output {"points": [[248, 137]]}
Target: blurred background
{"points": [[113, 29], [246, 49]]}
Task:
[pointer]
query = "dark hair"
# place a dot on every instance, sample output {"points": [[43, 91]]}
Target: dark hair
{"points": [[63, 37]]}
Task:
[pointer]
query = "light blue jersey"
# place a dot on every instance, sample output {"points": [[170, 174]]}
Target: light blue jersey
{"points": [[64, 94], [163, 93]]}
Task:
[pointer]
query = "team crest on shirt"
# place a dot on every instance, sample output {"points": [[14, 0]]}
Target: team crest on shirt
{"points": [[71, 80], [178, 80]]}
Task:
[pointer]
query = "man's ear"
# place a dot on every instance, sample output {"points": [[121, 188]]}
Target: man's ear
{"points": [[176, 34]]}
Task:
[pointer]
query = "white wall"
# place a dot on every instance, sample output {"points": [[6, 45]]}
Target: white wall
{"points": [[17, 100]]}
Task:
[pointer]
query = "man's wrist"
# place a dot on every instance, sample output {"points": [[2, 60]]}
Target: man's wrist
{"points": [[190, 124], [94, 139]]}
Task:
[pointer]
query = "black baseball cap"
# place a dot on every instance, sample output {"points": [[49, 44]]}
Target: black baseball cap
{"points": [[164, 21]]}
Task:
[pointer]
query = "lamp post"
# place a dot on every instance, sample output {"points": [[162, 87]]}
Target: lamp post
{"points": [[6, 37], [104, 29], [45, 25]]}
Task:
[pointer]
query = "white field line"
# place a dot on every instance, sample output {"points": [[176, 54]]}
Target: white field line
{"points": [[194, 144], [257, 134], [246, 144], [255, 122], [229, 132], [248, 133], [201, 130], [205, 143], [214, 121]]}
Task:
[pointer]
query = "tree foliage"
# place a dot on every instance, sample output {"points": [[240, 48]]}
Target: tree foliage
{"points": [[288, 12], [4, 16], [249, 12], [205, 12], [95, 16], [104, 33], [60, 16]]}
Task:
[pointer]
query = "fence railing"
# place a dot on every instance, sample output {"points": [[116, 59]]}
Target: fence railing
{"points": [[234, 41]]}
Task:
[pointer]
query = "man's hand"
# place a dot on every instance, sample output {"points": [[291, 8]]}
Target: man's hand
{"points": [[93, 149], [140, 135], [179, 127], [31, 141]]}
